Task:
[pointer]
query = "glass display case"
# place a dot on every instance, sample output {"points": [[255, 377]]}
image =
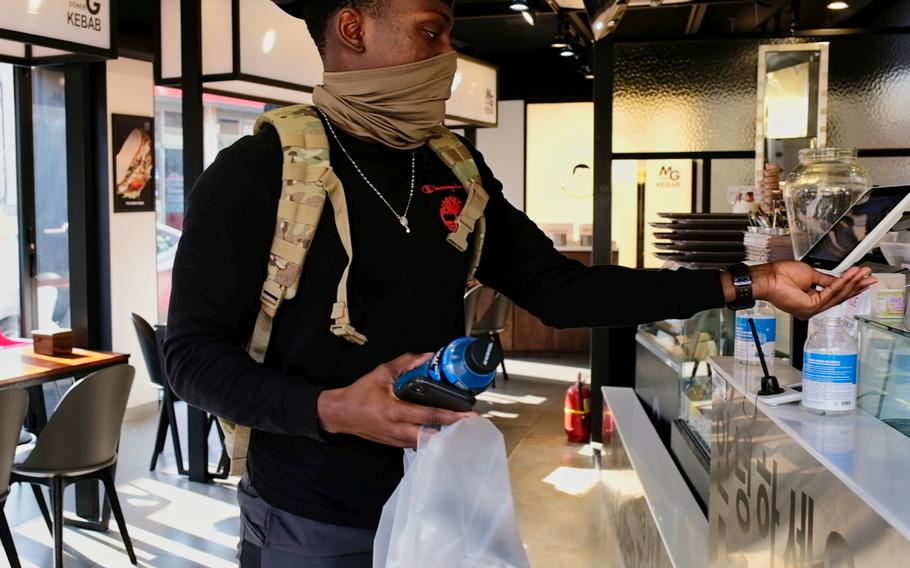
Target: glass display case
{"points": [[673, 381], [883, 385], [686, 346]]}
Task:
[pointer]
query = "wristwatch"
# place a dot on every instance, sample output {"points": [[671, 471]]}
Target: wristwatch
{"points": [[742, 284]]}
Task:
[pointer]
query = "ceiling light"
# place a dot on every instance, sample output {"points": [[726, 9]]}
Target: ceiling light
{"points": [[561, 39], [520, 6], [567, 51], [528, 15], [838, 5], [589, 75]]}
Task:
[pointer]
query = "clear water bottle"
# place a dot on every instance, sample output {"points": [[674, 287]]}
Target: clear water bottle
{"points": [[765, 318], [830, 366]]}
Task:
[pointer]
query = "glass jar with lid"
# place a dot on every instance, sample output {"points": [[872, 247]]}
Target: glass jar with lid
{"points": [[823, 186]]}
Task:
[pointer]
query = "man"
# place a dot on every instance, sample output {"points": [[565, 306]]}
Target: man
{"points": [[327, 430]]}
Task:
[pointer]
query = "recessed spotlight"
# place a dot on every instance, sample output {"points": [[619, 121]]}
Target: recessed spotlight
{"points": [[528, 16], [519, 6], [838, 5]]}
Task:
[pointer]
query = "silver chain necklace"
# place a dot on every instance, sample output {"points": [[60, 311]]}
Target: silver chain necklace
{"points": [[403, 218]]}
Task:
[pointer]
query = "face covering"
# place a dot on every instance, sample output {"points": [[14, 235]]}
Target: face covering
{"points": [[396, 106]]}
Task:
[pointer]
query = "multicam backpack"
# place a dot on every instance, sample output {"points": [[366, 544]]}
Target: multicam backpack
{"points": [[307, 180]]}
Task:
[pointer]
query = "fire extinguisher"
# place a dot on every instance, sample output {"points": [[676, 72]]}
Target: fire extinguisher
{"points": [[578, 412]]}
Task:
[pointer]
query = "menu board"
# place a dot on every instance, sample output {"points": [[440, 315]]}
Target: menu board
{"points": [[64, 24]]}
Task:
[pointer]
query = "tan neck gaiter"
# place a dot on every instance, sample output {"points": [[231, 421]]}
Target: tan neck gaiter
{"points": [[396, 106]]}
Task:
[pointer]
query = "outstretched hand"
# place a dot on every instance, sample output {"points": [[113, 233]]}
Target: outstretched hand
{"points": [[799, 289]]}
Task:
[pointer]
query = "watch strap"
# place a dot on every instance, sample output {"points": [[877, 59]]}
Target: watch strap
{"points": [[742, 285]]}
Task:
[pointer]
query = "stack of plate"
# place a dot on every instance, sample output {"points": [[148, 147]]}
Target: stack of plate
{"points": [[701, 238]]}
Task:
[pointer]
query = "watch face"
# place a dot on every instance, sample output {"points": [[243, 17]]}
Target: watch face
{"points": [[742, 284], [741, 275]]}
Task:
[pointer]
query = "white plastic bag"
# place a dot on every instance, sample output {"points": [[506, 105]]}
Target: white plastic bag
{"points": [[453, 508]]}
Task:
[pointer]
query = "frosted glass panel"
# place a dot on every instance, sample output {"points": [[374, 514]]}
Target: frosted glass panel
{"points": [[869, 83], [625, 210], [726, 174], [888, 171], [685, 97]]}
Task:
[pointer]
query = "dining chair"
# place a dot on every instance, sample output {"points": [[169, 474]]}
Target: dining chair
{"points": [[150, 341], [79, 443], [13, 405], [167, 417], [471, 303], [492, 323]]}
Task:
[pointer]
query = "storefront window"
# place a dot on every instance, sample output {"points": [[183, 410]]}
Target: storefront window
{"points": [[226, 120], [9, 222], [51, 205]]}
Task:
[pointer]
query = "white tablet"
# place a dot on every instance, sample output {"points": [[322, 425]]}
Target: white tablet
{"points": [[859, 230]]}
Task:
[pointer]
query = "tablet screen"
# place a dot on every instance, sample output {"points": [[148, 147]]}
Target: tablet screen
{"points": [[846, 234]]}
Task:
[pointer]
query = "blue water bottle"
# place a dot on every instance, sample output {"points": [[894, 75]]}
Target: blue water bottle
{"points": [[467, 363]]}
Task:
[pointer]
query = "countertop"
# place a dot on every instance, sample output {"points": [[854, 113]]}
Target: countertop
{"points": [[867, 455], [574, 248], [677, 516]]}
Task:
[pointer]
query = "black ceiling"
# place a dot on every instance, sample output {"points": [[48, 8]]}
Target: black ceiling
{"points": [[531, 69]]}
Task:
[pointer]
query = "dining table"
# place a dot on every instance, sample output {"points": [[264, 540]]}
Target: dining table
{"points": [[22, 367]]}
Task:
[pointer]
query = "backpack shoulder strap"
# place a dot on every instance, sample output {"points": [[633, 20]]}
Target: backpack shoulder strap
{"points": [[307, 179], [452, 151]]}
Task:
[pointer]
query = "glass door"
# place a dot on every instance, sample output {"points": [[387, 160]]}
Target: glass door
{"points": [[10, 270], [51, 204]]}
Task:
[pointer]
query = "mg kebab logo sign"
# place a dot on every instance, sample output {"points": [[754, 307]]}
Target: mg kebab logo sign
{"points": [[668, 178], [84, 14]]}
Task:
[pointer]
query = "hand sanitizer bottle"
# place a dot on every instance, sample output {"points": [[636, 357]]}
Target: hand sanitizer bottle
{"points": [[765, 318], [830, 365]]}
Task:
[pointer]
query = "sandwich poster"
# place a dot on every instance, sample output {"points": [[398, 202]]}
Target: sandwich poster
{"points": [[134, 151]]}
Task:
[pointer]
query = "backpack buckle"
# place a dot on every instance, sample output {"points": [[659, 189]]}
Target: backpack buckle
{"points": [[272, 296], [459, 238], [347, 331]]}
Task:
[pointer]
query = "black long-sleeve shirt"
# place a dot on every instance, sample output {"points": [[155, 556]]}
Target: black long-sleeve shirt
{"points": [[405, 295]]}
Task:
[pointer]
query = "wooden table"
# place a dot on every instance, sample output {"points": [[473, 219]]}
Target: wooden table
{"points": [[21, 367]]}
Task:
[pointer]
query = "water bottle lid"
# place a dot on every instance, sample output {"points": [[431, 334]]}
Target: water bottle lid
{"points": [[483, 356]]}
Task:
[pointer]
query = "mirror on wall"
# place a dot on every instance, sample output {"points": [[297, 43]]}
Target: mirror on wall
{"points": [[792, 103]]}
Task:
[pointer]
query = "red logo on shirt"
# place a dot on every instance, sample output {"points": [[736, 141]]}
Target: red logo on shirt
{"points": [[449, 211], [428, 189]]}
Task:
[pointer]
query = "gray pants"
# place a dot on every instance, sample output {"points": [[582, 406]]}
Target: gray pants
{"points": [[272, 538]]}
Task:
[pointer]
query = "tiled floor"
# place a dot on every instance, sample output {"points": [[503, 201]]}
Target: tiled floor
{"points": [[178, 524]]}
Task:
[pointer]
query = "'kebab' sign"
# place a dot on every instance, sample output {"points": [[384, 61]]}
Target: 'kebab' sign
{"points": [[62, 24]]}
